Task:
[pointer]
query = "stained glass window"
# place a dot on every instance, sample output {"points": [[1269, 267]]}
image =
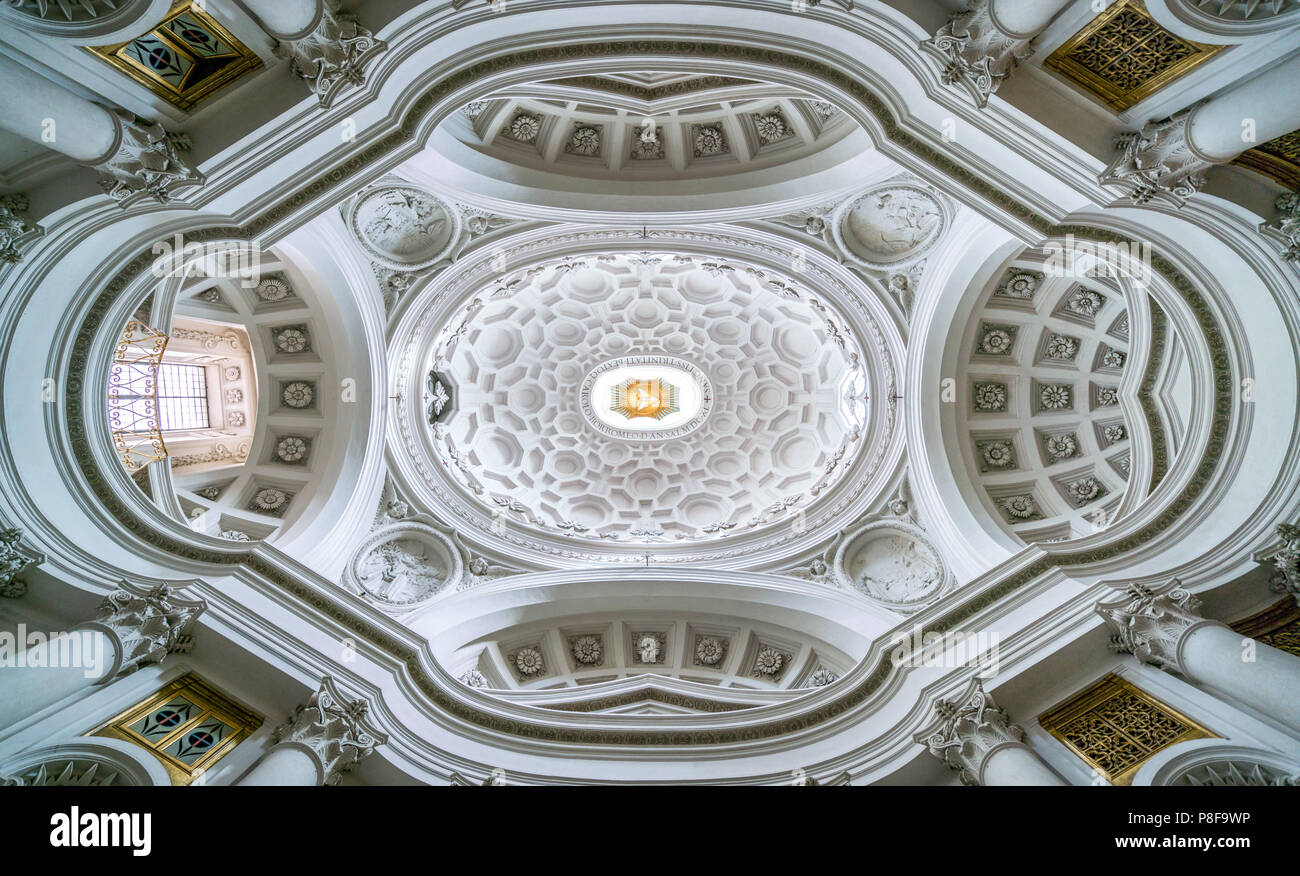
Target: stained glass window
{"points": [[184, 59], [187, 725]]}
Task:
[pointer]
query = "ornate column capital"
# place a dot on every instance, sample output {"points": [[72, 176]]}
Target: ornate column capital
{"points": [[1151, 623], [1158, 162], [1286, 558], [14, 560], [967, 730], [333, 54], [14, 227], [975, 52], [1285, 227], [147, 624], [145, 162], [334, 729]]}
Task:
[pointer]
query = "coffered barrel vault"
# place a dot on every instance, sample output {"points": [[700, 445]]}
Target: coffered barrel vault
{"points": [[663, 393]]}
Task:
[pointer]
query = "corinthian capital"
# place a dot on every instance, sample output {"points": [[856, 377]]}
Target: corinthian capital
{"points": [[967, 730], [14, 560], [1286, 227], [1149, 623], [975, 52], [147, 624], [1158, 162], [1286, 559], [145, 162], [14, 227], [334, 729], [333, 54]]}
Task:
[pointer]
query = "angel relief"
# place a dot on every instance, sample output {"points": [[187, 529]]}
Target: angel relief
{"points": [[398, 220], [398, 572], [893, 222], [897, 568]]}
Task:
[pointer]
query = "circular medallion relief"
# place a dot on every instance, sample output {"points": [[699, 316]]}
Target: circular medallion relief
{"points": [[406, 564], [893, 563], [402, 226], [644, 398], [889, 225]]}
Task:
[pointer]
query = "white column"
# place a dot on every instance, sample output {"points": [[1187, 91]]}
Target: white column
{"points": [[285, 765], [1025, 18], [285, 18], [52, 669], [134, 626], [319, 743], [1269, 103], [135, 159], [1163, 627], [1263, 677], [33, 107], [1167, 159], [1016, 764], [977, 738]]}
